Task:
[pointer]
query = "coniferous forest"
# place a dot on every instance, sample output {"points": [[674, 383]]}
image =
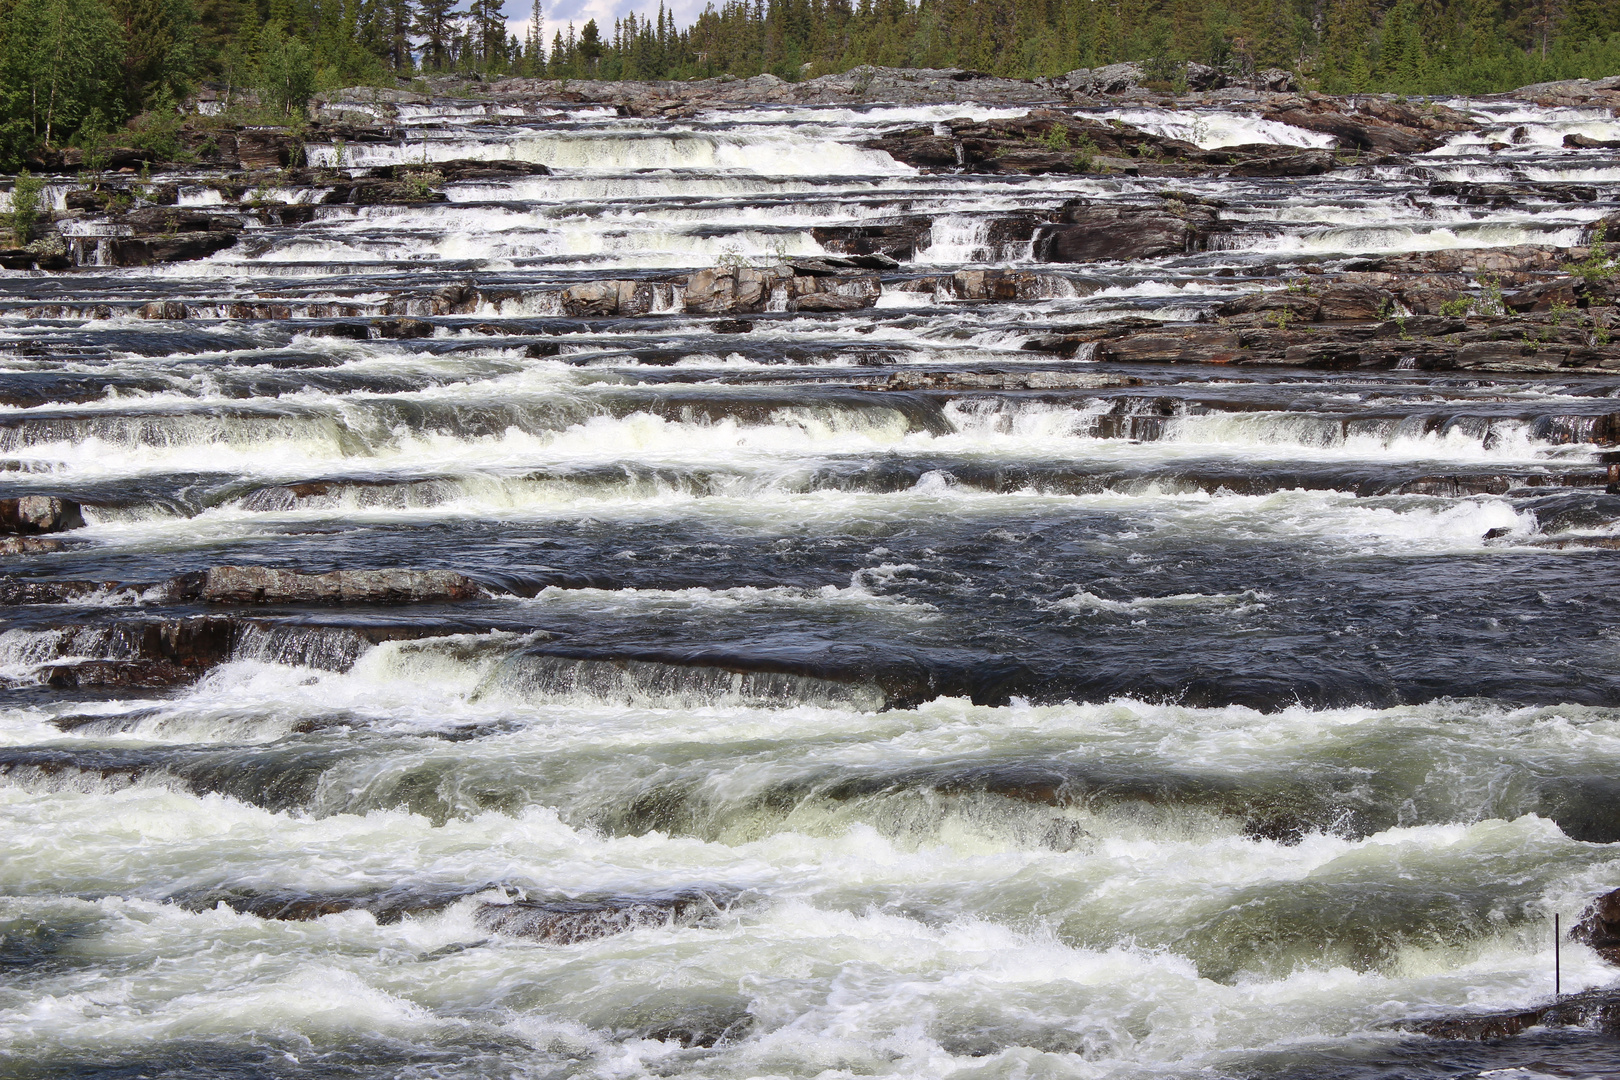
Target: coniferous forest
{"points": [[72, 71]]}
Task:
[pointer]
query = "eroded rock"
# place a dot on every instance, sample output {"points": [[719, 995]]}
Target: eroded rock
{"points": [[31, 515], [263, 585]]}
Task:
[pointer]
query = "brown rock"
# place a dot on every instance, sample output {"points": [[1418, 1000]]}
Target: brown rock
{"points": [[461, 299], [591, 299], [28, 545], [267, 148], [182, 247], [1386, 127], [728, 291], [1353, 303], [1566, 291], [606, 299], [170, 220], [1296, 305], [1091, 234], [1599, 926], [403, 328], [1595, 1008], [898, 240], [31, 515], [262, 585], [1296, 163], [1586, 142], [821, 301]]}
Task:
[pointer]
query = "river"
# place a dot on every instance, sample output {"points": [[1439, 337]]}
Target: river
{"points": [[1152, 723]]}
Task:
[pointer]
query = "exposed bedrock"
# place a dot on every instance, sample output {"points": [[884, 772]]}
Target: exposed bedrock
{"points": [[1050, 141], [1424, 343], [1084, 232], [1372, 123], [263, 585]]}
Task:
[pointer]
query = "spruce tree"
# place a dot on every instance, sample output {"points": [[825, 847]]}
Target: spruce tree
{"points": [[436, 22]]}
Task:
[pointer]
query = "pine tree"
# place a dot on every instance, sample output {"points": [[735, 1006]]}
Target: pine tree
{"points": [[397, 20], [534, 48], [152, 37], [488, 30], [435, 21], [590, 46]]}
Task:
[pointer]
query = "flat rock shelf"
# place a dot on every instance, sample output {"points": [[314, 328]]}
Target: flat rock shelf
{"points": [[998, 582]]}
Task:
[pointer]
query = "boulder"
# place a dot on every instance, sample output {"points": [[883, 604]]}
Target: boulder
{"points": [[731, 290], [461, 299], [1567, 291], [1092, 234], [1599, 926], [1203, 77], [1112, 79], [1352, 303], [820, 301], [464, 169], [166, 221], [1375, 124], [31, 515], [1278, 306], [607, 299], [403, 328], [151, 250], [1598, 1009], [1610, 227], [1273, 80], [28, 545], [263, 585], [371, 192], [267, 148], [1586, 142], [591, 299], [84, 199], [922, 148], [1285, 163], [898, 240]]}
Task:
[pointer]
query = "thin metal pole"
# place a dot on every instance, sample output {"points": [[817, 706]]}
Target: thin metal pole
{"points": [[1558, 972]]}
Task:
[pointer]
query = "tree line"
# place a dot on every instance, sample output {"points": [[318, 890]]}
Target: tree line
{"points": [[77, 71]]}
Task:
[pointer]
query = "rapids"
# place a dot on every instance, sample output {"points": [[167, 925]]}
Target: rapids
{"points": [[1197, 721]]}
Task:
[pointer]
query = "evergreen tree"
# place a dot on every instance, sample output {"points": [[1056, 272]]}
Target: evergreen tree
{"points": [[436, 21], [156, 53], [488, 28], [397, 21], [534, 47], [590, 46], [70, 65]]}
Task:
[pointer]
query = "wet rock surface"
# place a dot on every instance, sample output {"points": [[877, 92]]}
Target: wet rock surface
{"points": [[1083, 563], [29, 515], [1596, 1009]]}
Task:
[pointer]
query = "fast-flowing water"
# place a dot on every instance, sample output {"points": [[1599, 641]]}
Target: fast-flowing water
{"points": [[1170, 727]]}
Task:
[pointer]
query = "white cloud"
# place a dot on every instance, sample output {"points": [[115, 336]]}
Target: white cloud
{"points": [[558, 14]]}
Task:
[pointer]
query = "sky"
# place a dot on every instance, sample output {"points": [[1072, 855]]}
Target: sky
{"points": [[558, 13]]}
